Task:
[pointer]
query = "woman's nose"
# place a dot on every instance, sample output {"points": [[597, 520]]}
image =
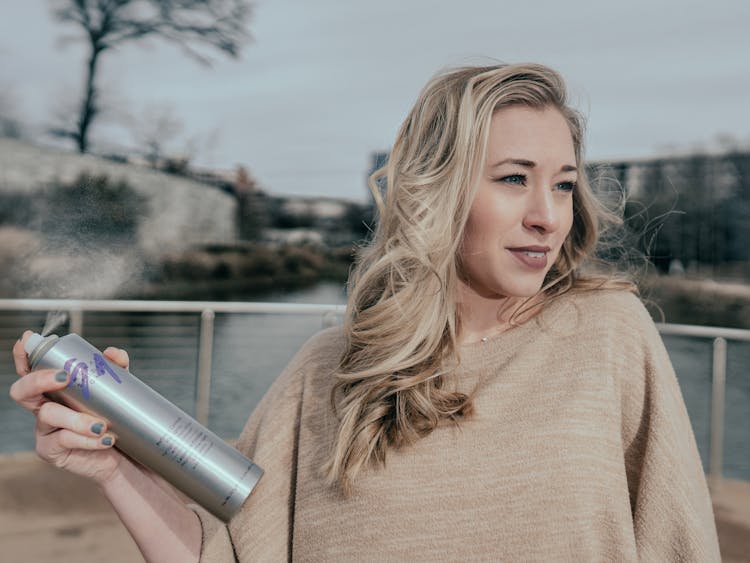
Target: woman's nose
{"points": [[542, 214]]}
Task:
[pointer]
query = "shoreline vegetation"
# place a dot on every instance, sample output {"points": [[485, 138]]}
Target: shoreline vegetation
{"points": [[704, 302], [246, 272]]}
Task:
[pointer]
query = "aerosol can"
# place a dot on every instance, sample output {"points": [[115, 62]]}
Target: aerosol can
{"points": [[149, 428]]}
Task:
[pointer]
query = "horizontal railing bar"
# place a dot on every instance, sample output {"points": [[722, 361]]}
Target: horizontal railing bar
{"points": [[704, 331], [106, 305], [167, 306]]}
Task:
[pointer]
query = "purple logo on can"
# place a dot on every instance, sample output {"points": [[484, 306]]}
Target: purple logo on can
{"points": [[79, 373]]}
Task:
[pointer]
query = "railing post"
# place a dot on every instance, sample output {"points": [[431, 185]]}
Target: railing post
{"points": [[718, 392], [76, 321], [205, 361]]}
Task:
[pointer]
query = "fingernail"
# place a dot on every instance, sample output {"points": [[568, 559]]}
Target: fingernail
{"points": [[97, 428], [61, 376], [107, 440]]}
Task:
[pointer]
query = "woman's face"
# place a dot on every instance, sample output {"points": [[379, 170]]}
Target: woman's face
{"points": [[523, 209]]}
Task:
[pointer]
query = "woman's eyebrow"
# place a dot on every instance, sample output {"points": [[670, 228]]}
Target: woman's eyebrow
{"points": [[519, 161], [531, 164]]}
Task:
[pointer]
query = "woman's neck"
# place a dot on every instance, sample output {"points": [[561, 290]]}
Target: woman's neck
{"points": [[483, 317]]}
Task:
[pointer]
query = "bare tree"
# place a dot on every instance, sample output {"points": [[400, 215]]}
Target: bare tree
{"points": [[193, 25], [154, 129]]}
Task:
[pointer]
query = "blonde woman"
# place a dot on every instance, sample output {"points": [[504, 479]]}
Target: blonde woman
{"points": [[489, 397]]}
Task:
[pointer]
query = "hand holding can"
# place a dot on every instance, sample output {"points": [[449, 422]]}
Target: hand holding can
{"points": [[77, 442], [148, 427]]}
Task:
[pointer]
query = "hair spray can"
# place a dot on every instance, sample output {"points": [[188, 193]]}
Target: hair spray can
{"points": [[149, 428]]}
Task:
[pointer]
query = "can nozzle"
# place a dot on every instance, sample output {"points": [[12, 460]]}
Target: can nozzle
{"points": [[37, 346], [34, 340]]}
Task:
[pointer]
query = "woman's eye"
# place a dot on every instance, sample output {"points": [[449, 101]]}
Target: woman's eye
{"points": [[566, 186], [519, 179]]}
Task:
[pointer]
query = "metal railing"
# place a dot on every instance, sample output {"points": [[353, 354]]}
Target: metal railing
{"points": [[329, 313], [718, 385], [75, 308]]}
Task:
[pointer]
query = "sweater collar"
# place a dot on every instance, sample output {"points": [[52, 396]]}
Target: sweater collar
{"points": [[500, 348]]}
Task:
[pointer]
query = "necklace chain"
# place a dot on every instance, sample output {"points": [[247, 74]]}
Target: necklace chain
{"points": [[498, 330]]}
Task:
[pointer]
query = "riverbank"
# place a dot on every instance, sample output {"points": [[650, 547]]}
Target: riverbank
{"points": [[242, 272], [704, 302], [50, 515]]}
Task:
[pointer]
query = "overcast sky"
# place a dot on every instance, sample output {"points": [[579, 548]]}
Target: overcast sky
{"points": [[327, 82]]}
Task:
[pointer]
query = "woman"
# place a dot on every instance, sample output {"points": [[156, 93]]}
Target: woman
{"points": [[486, 399]]}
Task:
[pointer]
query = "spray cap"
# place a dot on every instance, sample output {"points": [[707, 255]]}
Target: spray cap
{"points": [[34, 340]]}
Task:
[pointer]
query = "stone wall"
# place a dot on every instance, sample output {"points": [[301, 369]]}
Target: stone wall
{"points": [[182, 212]]}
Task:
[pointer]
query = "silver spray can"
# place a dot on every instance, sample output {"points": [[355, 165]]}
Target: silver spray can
{"points": [[149, 428]]}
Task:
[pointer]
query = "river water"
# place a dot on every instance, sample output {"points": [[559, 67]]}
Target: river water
{"points": [[251, 350]]}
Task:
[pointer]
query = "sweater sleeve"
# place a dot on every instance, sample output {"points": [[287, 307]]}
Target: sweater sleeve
{"points": [[216, 545], [261, 530], [672, 514]]}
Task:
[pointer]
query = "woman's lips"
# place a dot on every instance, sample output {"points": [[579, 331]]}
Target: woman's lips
{"points": [[534, 257]]}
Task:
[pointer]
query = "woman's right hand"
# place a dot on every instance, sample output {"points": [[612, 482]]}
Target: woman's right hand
{"points": [[164, 528], [74, 441]]}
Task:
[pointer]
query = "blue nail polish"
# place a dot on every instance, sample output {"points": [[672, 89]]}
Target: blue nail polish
{"points": [[107, 441], [97, 428], [61, 376]]}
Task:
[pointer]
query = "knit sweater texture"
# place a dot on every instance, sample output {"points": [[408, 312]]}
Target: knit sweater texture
{"points": [[579, 449]]}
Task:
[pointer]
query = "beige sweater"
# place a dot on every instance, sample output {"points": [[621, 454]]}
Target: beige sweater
{"points": [[580, 449]]}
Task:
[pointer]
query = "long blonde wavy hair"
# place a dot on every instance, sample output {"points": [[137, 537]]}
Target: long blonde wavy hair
{"points": [[402, 322]]}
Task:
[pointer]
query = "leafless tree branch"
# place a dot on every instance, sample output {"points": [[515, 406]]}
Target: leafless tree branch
{"points": [[190, 24]]}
